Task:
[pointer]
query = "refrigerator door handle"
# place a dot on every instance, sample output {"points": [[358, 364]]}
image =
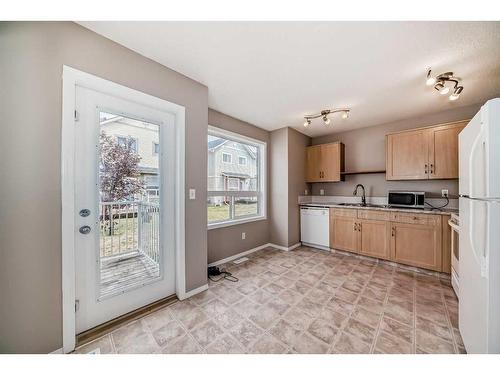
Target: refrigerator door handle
{"points": [[477, 166], [481, 258]]}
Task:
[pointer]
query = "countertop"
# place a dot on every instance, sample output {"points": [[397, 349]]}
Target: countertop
{"points": [[443, 211]]}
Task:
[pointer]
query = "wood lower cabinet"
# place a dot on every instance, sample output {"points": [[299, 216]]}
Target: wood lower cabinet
{"points": [[412, 239], [375, 238], [343, 231], [417, 245]]}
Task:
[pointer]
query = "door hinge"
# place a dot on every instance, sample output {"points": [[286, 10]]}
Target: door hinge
{"points": [[77, 115], [77, 305]]}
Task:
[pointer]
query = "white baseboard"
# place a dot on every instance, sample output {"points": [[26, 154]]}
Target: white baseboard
{"points": [[57, 351], [192, 292], [284, 248], [239, 255]]}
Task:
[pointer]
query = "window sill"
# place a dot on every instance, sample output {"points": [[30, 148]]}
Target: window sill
{"points": [[224, 224]]}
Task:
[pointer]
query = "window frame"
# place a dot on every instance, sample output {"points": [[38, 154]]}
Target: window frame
{"points": [[244, 158], [230, 158], [261, 191], [135, 139]]}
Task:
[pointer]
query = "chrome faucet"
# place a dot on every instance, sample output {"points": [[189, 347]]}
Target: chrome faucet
{"points": [[363, 198]]}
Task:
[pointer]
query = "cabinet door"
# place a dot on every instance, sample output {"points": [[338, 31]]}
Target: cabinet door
{"points": [[417, 245], [443, 151], [343, 233], [375, 238], [407, 155], [313, 164], [331, 162]]}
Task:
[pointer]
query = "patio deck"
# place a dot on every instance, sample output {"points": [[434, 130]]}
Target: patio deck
{"points": [[122, 273]]}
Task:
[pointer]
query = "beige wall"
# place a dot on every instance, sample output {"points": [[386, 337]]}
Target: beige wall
{"points": [[279, 187], [288, 163], [297, 143], [225, 242], [365, 150], [31, 60]]}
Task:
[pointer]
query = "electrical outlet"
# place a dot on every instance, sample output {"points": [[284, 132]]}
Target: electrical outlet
{"points": [[444, 193], [306, 192], [243, 235], [321, 192]]}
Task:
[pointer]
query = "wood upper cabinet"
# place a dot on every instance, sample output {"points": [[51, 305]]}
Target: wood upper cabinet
{"points": [[375, 238], [426, 153], [417, 245], [325, 162], [443, 150]]}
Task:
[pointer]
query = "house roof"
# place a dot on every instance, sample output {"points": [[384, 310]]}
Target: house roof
{"points": [[216, 143]]}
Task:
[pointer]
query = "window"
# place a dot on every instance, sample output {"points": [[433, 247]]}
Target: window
{"points": [[227, 158], [127, 142], [156, 148], [235, 195]]}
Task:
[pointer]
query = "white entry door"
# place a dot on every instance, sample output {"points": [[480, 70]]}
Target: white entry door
{"points": [[124, 203]]}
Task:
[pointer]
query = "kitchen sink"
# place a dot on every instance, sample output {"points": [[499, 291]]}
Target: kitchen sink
{"points": [[362, 205]]}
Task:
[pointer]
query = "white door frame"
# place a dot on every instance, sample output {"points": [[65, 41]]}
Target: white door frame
{"points": [[70, 79]]}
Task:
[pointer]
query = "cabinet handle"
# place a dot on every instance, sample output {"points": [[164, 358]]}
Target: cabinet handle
{"points": [[432, 168], [359, 227], [355, 227], [393, 231], [425, 169]]}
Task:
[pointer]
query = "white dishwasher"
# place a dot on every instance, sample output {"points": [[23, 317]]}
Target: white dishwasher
{"points": [[315, 227]]}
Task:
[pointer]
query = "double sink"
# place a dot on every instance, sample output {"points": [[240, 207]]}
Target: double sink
{"points": [[363, 205]]}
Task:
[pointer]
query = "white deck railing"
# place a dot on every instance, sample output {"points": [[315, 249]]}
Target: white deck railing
{"points": [[129, 227]]}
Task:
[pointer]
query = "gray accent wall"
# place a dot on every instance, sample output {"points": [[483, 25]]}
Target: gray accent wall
{"points": [[31, 62], [365, 150], [225, 242]]}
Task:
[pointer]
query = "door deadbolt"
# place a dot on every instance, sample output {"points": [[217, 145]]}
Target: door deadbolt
{"points": [[84, 212], [85, 229]]}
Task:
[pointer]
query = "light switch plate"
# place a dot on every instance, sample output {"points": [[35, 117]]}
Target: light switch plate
{"points": [[192, 193], [243, 235]]}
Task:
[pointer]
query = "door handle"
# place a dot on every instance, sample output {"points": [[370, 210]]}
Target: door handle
{"points": [[85, 229]]}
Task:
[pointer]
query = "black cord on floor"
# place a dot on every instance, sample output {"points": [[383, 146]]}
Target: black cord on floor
{"points": [[438, 208]]}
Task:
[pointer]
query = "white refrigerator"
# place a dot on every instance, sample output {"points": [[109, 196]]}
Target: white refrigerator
{"points": [[479, 245]]}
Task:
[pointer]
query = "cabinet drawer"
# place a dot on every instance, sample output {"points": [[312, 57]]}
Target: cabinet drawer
{"points": [[409, 218], [343, 212], [374, 215]]}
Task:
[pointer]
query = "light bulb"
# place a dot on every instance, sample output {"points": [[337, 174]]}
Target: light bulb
{"points": [[456, 93], [307, 123], [445, 90], [326, 120], [430, 81], [345, 114]]}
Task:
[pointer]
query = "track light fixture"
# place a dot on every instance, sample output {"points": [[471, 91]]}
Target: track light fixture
{"points": [[440, 84], [324, 115]]}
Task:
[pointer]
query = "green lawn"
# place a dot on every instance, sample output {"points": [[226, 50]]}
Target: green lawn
{"points": [[221, 213]]}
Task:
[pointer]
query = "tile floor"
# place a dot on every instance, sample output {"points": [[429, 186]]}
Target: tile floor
{"points": [[303, 301]]}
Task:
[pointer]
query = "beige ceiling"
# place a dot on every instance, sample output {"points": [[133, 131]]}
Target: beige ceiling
{"points": [[272, 73]]}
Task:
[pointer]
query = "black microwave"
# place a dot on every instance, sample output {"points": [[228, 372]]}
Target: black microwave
{"points": [[408, 199]]}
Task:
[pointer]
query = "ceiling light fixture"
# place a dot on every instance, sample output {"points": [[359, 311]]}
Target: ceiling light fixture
{"points": [[324, 115], [440, 84]]}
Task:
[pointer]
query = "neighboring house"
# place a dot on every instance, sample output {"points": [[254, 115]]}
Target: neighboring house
{"points": [[144, 140], [231, 166]]}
